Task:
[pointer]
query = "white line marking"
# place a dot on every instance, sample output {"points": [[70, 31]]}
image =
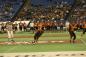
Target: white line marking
{"points": [[83, 41]]}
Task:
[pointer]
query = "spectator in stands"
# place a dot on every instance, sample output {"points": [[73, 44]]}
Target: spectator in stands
{"points": [[61, 26], [67, 25], [32, 26], [2, 27], [24, 26], [84, 28], [15, 27], [20, 26]]}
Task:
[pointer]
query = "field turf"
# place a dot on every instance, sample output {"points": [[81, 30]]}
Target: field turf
{"points": [[43, 47]]}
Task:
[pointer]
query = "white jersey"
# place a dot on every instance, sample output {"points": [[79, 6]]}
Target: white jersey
{"points": [[67, 24], [9, 28], [31, 24]]}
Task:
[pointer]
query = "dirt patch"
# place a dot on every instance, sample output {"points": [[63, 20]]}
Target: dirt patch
{"points": [[39, 42]]}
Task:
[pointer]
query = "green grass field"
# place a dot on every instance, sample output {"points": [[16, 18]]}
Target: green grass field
{"points": [[43, 47]]}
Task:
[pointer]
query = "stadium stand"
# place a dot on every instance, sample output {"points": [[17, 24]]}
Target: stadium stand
{"points": [[8, 8], [55, 12], [79, 11], [41, 9]]}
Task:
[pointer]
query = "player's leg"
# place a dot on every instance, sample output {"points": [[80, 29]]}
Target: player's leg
{"points": [[83, 33], [38, 35], [35, 37], [9, 36], [11, 32], [70, 36], [74, 37]]}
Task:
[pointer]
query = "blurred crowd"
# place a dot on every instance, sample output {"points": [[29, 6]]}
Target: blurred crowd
{"points": [[46, 25], [53, 17], [51, 12], [8, 8]]}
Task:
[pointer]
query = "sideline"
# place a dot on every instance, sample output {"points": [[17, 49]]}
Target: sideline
{"points": [[47, 54]]}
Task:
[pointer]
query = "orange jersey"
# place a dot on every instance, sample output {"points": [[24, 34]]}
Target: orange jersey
{"points": [[84, 25], [72, 27], [40, 27]]}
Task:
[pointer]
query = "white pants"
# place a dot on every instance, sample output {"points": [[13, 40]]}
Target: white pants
{"points": [[10, 34]]}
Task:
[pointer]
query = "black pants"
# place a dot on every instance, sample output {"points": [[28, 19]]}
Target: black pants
{"points": [[20, 28], [84, 30], [72, 36], [37, 35]]}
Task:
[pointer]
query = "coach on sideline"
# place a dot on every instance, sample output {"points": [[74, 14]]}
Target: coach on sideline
{"points": [[9, 29]]}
